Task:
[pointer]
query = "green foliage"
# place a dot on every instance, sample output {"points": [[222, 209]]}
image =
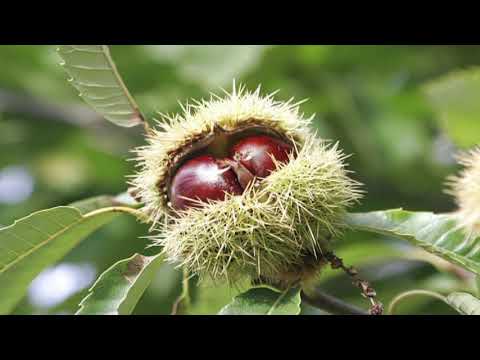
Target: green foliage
{"points": [[370, 98], [39, 240], [464, 303], [209, 65], [456, 101], [438, 234], [264, 301], [94, 74], [118, 290]]}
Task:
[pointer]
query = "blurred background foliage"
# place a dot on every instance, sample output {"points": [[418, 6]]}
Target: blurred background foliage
{"points": [[373, 99]]}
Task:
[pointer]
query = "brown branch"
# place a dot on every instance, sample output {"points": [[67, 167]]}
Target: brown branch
{"points": [[368, 292], [330, 304], [39, 109], [29, 105]]}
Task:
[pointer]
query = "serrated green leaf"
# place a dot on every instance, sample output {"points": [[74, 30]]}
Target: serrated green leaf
{"points": [[118, 290], [264, 301], [94, 74], [464, 303], [39, 240], [456, 100], [438, 234]]}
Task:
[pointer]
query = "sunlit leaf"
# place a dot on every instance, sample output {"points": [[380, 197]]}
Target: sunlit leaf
{"points": [[39, 240], [264, 301], [210, 299], [438, 234], [118, 289], [94, 74], [464, 303]]}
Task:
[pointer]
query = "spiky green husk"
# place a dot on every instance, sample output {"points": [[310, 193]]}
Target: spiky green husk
{"points": [[466, 189], [276, 231], [240, 108]]}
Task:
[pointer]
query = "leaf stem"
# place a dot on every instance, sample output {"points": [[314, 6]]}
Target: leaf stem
{"points": [[186, 287], [137, 213], [412, 293], [184, 298]]}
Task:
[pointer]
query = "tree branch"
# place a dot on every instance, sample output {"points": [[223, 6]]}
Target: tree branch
{"points": [[39, 109], [330, 304], [25, 104]]}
